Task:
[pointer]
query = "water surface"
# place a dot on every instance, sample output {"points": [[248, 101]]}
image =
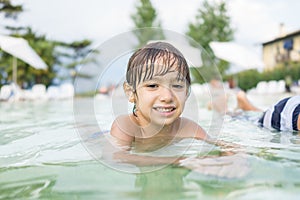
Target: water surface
{"points": [[43, 156]]}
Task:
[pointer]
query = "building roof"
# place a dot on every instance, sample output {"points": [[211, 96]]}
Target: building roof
{"points": [[289, 35]]}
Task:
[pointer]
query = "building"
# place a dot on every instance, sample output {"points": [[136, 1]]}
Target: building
{"points": [[284, 48]]}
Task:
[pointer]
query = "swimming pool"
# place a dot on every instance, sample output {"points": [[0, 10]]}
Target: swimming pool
{"points": [[42, 156]]}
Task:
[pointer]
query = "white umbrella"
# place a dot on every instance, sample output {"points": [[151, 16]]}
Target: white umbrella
{"points": [[19, 48], [236, 54]]}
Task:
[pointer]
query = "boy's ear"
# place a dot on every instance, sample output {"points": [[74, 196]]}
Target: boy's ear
{"points": [[129, 92], [188, 92]]}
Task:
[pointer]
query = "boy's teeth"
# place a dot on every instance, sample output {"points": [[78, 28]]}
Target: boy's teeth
{"points": [[164, 109]]}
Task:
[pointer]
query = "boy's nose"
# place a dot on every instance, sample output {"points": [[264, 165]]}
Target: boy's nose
{"points": [[166, 94]]}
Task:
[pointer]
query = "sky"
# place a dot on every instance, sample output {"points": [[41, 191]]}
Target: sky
{"points": [[254, 21]]}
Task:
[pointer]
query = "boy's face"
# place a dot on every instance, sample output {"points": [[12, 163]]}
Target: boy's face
{"points": [[160, 100]]}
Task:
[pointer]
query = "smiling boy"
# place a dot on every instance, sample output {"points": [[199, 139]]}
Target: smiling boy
{"points": [[158, 84]]}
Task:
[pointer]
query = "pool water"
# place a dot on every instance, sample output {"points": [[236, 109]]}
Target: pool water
{"points": [[42, 156]]}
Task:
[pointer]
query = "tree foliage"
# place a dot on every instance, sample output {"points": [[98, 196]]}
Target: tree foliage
{"points": [[248, 79], [146, 17], [212, 23], [10, 10], [26, 75], [73, 55]]}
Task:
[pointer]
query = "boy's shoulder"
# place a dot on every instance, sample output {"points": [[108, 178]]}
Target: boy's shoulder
{"points": [[188, 122], [190, 128], [126, 121], [124, 126]]}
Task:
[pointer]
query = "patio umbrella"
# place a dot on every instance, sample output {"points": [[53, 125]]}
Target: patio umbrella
{"points": [[19, 48], [236, 54]]}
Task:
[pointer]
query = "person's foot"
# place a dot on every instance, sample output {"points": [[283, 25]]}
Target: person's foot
{"points": [[244, 103]]}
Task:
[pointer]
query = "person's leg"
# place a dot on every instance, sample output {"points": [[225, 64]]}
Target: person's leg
{"points": [[244, 103], [298, 123]]}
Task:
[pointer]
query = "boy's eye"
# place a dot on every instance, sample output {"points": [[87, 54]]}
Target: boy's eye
{"points": [[178, 86], [152, 85]]}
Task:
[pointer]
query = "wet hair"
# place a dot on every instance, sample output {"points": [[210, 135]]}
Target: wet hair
{"points": [[142, 65]]}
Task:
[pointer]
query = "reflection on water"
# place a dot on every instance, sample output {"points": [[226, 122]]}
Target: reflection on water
{"points": [[167, 183], [43, 156]]}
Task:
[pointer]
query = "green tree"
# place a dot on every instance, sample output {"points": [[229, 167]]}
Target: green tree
{"points": [[212, 23], [26, 75], [75, 55], [10, 10], [146, 17], [248, 79], [50, 51]]}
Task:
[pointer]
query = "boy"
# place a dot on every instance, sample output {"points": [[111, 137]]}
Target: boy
{"points": [[158, 83]]}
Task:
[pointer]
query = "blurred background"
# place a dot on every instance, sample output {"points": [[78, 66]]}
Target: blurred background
{"points": [[64, 32]]}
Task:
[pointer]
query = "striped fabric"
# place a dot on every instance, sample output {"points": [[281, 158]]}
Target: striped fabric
{"points": [[282, 116]]}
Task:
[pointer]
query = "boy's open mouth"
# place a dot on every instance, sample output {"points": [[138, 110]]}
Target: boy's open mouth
{"points": [[164, 109]]}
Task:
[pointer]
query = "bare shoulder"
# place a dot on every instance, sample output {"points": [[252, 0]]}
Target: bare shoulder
{"points": [[123, 128], [190, 128]]}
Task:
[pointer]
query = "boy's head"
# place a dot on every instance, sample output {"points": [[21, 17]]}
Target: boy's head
{"points": [[156, 59]]}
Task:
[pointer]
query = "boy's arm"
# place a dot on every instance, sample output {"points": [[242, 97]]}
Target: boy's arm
{"points": [[200, 133], [143, 160], [122, 144], [193, 130]]}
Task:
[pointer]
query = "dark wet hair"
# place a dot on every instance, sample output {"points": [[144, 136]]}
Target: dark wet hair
{"points": [[142, 66]]}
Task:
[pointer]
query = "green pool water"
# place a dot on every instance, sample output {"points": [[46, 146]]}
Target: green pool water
{"points": [[42, 156]]}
